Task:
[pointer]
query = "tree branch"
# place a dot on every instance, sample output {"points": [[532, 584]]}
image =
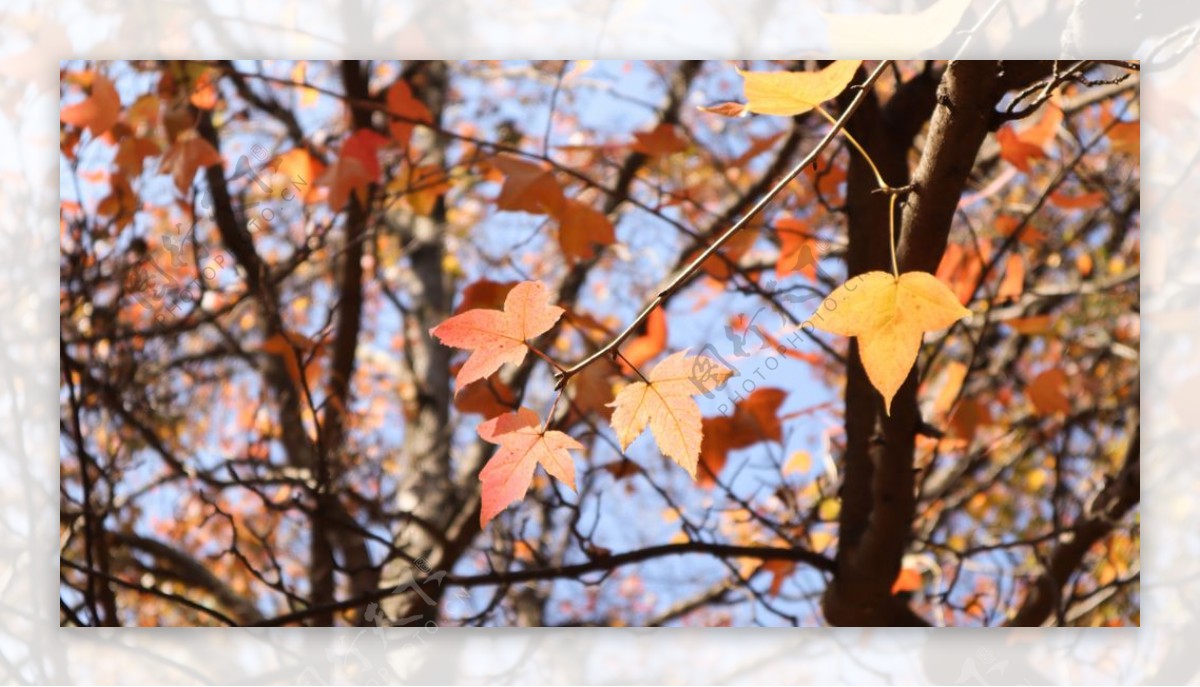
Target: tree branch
{"points": [[192, 572], [1113, 502], [681, 278], [605, 564]]}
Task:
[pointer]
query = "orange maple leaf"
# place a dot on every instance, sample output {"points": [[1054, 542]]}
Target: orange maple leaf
{"points": [[98, 112], [1126, 137], [589, 393], [1082, 201], [299, 169], [406, 111], [1020, 147], [187, 154], [907, 580], [797, 248], [1013, 283], [345, 176], [497, 337], [967, 418], [780, 571], [523, 445], [487, 397], [132, 153], [755, 419], [642, 349], [363, 145], [1048, 392], [484, 293], [664, 402], [663, 140], [581, 228], [528, 187], [143, 114], [121, 203], [205, 93], [421, 186], [356, 168]]}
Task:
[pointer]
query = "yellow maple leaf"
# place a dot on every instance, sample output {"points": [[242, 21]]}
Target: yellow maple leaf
{"points": [[793, 93], [889, 315], [665, 403]]}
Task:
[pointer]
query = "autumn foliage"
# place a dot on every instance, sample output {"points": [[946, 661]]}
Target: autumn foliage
{"points": [[548, 343]]}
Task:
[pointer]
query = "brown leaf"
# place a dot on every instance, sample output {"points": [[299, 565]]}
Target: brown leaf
{"points": [[663, 140], [188, 154], [581, 228], [407, 112], [1048, 392], [528, 187]]}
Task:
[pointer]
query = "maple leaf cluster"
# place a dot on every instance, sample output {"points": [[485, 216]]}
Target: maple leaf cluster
{"points": [[887, 313], [663, 402]]}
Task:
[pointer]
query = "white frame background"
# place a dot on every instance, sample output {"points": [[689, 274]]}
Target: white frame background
{"points": [[36, 36]]}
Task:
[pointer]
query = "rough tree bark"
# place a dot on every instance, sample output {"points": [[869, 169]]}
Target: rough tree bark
{"points": [[878, 490]]}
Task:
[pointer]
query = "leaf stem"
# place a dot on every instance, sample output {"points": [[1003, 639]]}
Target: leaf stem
{"points": [[892, 232], [761, 203], [883, 186], [545, 357], [854, 142], [633, 367], [553, 406]]}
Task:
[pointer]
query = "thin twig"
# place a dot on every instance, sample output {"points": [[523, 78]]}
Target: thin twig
{"points": [[687, 271]]}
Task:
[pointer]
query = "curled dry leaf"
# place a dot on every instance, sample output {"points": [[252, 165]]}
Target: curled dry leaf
{"points": [[889, 316], [727, 109]]}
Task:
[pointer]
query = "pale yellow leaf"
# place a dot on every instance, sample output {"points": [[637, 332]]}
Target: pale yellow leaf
{"points": [[889, 316], [793, 93], [666, 405]]}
